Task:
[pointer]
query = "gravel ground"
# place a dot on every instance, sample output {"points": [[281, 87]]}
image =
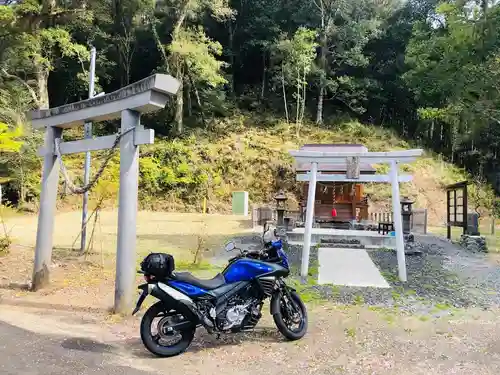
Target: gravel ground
{"points": [[440, 279], [443, 277]]}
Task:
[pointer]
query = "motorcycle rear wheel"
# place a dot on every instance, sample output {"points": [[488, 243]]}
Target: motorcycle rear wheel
{"points": [[152, 342], [283, 317]]}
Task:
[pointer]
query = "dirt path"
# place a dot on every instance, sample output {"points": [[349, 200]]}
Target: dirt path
{"points": [[341, 340]]}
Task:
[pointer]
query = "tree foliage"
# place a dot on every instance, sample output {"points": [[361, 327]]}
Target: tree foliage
{"points": [[428, 69]]}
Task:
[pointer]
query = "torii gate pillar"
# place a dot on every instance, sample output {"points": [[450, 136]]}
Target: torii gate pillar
{"points": [[127, 103], [318, 158]]}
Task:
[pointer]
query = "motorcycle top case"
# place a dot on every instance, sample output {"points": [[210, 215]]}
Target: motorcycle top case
{"points": [[160, 265]]}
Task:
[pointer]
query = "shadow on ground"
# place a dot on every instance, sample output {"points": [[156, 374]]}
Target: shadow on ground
{"points": [[204, 341], [201, 342], [86, 345]]}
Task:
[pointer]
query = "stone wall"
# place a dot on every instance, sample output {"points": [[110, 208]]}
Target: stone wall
{"points": [[294, 253], [476, 244]]}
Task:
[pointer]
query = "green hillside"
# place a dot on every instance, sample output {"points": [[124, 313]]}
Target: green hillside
{"points": [[241, 154]]}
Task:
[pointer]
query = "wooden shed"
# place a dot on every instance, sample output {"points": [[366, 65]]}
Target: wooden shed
{"points": [[336, 202]]}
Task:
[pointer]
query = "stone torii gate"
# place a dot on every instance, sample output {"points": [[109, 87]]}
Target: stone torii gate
{"points": [[127, 103], [317, 158]]}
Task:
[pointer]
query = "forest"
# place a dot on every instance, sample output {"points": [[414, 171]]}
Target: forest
{"points": [[428, 70]]}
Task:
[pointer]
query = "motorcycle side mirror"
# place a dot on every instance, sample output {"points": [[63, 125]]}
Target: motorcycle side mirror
{"points": [[230, 246], [266, 229], [279, 232]]}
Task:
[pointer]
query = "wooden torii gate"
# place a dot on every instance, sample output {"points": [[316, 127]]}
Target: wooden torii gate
{"points": [[317, 158], [127, 103]]}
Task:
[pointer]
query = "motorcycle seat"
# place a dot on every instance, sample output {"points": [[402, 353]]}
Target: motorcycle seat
{"points": [[207, 284]]}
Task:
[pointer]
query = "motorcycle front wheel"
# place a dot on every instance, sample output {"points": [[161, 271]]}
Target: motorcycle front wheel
{"points": [[290, 315], [158, 333]]}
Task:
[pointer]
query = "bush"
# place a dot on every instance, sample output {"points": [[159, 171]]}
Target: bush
{"points": [[5, 243]]}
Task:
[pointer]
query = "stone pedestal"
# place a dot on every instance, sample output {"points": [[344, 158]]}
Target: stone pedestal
{"points": [[280, 213], [476, 244], [473, 224], [413, 248]]}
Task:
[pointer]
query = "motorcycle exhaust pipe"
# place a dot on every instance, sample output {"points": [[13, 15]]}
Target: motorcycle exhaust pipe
{"points": [[182, 303]]}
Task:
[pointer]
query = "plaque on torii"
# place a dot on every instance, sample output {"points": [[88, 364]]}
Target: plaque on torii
{"points": [[127, 103]]}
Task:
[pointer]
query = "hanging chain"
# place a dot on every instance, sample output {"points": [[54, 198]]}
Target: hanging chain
{"points": [[68, 183]]}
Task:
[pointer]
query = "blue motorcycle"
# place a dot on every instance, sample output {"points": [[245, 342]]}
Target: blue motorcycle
{"points": [[230, 302]]}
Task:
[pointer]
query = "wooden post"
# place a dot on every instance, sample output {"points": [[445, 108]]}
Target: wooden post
{"points": [[464, 207], [311, 196], [353, 201], [127, 213], [398, 221], [448, 224], [47, 212]]}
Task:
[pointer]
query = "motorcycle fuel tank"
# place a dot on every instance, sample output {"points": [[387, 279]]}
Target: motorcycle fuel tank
{"points": [[247, 269]]}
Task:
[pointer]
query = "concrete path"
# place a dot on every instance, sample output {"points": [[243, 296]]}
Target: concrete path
{"points": [[27, 353], [349, 267]]}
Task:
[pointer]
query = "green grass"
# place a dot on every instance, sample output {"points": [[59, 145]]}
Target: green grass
{"points": [[350, 332], [359, 300], [204, 265], [443, 306]]}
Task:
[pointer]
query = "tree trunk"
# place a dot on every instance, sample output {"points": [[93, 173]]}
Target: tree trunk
{"points": [[48, 6], [42, 78], [484, 7], [22, 187], [189, 103], [179, 110], [284, 94], [198, 100], [182, 16], [319, 112], [263, 86], [231, 59], [304, 87], [431, 132], [322, 68], [297, 116], [298, 98], [159, 45]]}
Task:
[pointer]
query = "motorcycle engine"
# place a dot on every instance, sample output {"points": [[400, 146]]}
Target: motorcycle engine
{"points": [[240, 313]]}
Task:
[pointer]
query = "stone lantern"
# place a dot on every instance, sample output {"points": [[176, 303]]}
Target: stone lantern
{"points": [[406, 213], [280, 199]]}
